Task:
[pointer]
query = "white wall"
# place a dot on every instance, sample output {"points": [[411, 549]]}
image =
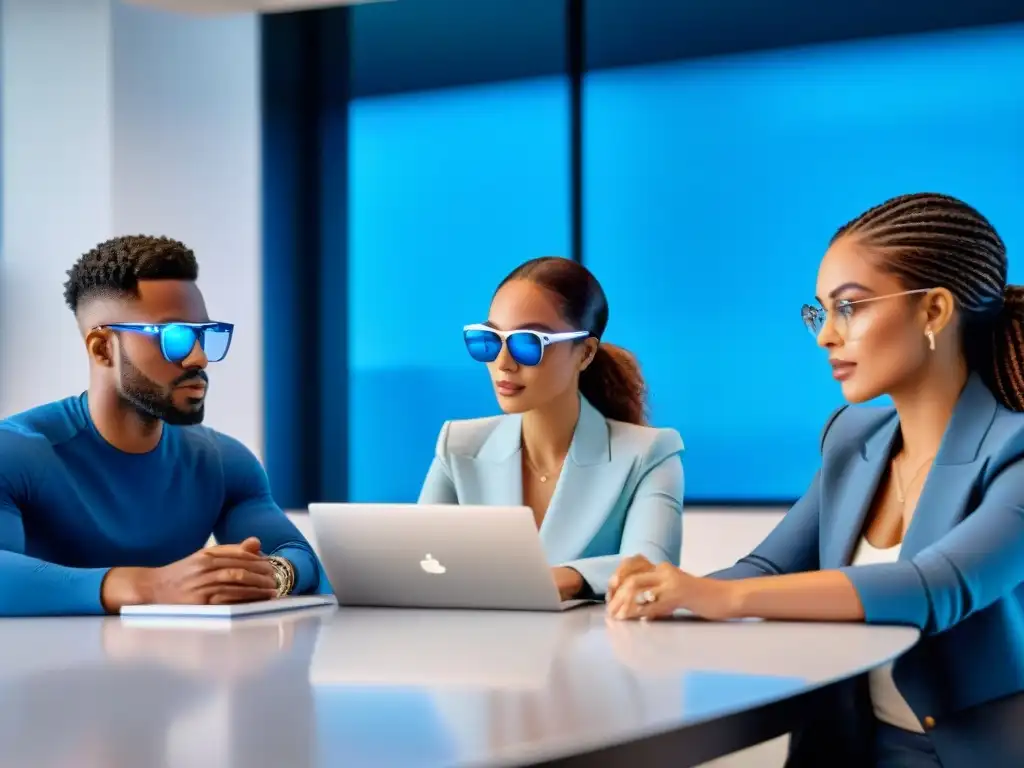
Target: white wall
{"points": [[186, 162], [116, 119], [121, 120], [56, 111]]}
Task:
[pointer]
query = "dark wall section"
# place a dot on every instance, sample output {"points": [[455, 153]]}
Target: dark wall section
{"points": [[305, 98], [425, 44], [623, 33], [414, 45]]}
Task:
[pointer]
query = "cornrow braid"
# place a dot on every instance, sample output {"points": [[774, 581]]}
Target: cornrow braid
{"points": [[930, 240]]}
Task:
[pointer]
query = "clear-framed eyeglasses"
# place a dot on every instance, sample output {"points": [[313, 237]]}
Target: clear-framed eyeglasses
{"points": [[843, 311]]}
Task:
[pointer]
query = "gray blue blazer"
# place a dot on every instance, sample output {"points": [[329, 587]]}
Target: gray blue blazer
{"points": [[959, 577], [620, 491]]}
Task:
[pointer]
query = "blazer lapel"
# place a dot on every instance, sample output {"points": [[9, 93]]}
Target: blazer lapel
{"points": [[950, 481], [854, 494], [588, 486], [944, 496], [499, 466]]}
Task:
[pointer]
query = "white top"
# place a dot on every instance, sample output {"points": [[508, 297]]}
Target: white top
{"points": [[889, 705]]}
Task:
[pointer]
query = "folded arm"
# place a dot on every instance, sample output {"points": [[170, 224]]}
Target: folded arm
{"points": [[30, 586], [977, 563], [653, 525], [33, 587], [250, 510]]}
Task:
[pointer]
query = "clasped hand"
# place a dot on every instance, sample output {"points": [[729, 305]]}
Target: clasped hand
{"points": [[641, 590], [225, 573]]}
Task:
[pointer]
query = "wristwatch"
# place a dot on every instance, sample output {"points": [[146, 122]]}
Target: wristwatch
{"points": [[284, 575]]}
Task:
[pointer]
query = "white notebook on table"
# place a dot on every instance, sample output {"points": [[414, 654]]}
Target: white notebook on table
{"points": [[229, 611]]}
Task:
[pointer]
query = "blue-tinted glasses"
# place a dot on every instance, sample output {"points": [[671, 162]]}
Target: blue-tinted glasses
{"points": [[843, 312], [177, 340], [525, 347]]}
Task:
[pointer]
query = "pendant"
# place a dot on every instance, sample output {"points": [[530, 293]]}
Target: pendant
{"points": [[543, 478]]}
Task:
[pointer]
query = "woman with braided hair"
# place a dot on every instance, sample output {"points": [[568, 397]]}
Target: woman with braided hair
{"points": [[916, 516]]}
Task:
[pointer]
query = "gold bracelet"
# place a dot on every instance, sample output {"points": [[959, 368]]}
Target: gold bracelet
{"points": [[284, 575]]}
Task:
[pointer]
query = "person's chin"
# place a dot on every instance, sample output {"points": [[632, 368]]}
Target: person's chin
{"points": [[513, 404], [185, 417], [856, 392]]}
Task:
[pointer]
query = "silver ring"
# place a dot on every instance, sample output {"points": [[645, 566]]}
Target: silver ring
{"points": [[645, 597]]}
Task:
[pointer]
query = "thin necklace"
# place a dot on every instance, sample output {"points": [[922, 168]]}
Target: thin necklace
{"points": [[541, 475], [896, 464]]}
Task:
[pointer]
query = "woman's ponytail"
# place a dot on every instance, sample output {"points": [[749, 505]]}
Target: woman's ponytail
{"points": [[1002, 367], [615, 386]]}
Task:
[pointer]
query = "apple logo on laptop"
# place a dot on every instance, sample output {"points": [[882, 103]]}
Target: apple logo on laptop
{"points": [[431, 565]]}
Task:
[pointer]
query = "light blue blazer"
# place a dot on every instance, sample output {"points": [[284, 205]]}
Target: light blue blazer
{"points": [[620, 491], [959, 577]]}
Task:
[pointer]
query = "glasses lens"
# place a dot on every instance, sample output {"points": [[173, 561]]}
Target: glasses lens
{"points": [[525, 348], [483, 346], [216, 342], [814, 319], [177, 341]]}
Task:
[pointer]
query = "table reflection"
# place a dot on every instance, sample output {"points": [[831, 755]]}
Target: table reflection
{"points": [[381, 688], [465, 686], [380, 673], [442, 648], [674, 646], [114, 693]]}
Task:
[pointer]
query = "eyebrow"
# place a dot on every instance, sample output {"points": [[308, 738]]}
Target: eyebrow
{"points": [[527, 327], [843, 288]]}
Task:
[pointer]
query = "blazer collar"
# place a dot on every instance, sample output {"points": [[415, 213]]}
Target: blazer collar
{"points": [[580, 501], [590, 440], [970, 422], [945, 489]]}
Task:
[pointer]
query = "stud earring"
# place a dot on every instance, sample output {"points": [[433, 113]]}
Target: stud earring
{"points": [[931, 339]]}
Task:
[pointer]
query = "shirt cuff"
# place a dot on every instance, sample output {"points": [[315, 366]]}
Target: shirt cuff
{"points": [[307, 570], [84, 592]]}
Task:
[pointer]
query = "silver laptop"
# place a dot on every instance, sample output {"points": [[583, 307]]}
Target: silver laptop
{"points": [[435, 556]]}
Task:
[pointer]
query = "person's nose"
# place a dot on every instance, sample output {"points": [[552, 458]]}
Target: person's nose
{"points": [[506, 363], [829, 337], [196, 358]]}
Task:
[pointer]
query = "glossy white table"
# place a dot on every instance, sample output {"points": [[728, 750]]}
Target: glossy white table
{"points": [[381, 688]]}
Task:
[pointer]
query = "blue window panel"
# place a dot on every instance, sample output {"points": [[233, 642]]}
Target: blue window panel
{"points": [[711, 188], [449, 191]]}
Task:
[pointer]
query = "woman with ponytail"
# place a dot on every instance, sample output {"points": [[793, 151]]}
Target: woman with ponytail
{"points": [[916, 516], [573, 444]]}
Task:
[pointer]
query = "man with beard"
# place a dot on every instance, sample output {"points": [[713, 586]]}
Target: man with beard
{"points": [[109, 498]]}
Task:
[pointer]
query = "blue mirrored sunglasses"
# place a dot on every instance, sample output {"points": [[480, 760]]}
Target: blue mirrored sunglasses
{"points": [[177, 340], [525, 347]]}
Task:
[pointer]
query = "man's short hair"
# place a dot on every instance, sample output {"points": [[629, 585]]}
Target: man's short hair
{"points": [[115, 267]]}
